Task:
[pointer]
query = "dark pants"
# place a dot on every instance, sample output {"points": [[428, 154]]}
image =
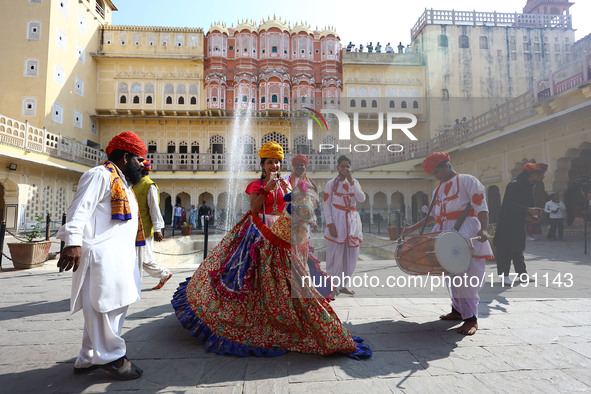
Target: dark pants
{"points": [[504, 257], [553, 224], [177, 222]]}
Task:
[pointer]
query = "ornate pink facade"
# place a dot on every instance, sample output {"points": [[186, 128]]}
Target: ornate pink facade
{"points": [[272, 66]]}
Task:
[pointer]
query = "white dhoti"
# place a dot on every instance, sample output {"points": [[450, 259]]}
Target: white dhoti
{"points": [[465, 298], [341, 261], [101, 340], [146, 257]]}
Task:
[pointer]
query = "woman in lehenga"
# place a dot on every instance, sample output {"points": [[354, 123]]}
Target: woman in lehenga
{"points": [[247, 297]]}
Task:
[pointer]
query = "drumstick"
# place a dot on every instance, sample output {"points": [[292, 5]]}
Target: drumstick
{"points": [[471, 239]]}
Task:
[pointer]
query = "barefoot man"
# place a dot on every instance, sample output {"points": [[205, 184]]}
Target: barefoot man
{"points": [[454, 193]]}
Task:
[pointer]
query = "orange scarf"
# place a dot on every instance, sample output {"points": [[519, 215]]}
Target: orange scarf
{"points": [[120, 205]]}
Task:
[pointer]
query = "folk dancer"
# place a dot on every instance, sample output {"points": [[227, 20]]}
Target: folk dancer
{"points": [[454, 193], [343, 231], [101, 235]]}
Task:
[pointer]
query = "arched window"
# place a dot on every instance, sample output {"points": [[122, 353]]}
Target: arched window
{"points": [[136, 99], [274, 98], [181, 100], [168, 100], [483, 42], [244, 99], [403, 104], [123, 99], [352, 104], [374, 104], [277, 137], [363, 103], [392, 104], [285, 100], [263, 100], [415, 104], [193, 100], [464, 41], [148, 99], [444, 95]]}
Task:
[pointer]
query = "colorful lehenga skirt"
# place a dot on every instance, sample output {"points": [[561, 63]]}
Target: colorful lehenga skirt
{"points": [[246, 298]]}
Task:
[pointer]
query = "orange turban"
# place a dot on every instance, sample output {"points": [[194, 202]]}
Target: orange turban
{"points": [[129, 142], [535, 167], [271, 150], [433, 160], [301, 158]]}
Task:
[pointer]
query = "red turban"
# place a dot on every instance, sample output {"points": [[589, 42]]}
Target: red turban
{"points": [[299, 159], [535, 167], [147, 165], [129, 142], [433, 160]]}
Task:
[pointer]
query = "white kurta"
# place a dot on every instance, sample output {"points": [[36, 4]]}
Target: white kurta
{"points": [[340, 202], [342, 252], [452, 198], [146, 252], [108, 246]]}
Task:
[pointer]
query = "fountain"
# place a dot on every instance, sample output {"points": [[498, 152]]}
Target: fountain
{"points": [[236, 165]]}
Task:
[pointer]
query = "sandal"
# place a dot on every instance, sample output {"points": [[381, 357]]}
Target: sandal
{"points": [[126, 371], [82, 370]]}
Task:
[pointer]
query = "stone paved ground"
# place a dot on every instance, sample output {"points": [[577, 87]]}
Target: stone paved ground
{"points": [[541, 343]]}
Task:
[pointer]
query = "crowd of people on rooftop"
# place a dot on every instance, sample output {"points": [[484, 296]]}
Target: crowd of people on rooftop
{"points": [[378, 48]]}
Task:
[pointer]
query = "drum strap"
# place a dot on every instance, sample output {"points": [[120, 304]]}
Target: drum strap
{"points": [[430, 209], [462, 217]]}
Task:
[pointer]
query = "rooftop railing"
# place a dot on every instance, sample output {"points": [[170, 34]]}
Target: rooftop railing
{"points": [[475, 18]]}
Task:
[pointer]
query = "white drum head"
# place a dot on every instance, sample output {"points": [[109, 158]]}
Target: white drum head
{"points": [[453, 252]]}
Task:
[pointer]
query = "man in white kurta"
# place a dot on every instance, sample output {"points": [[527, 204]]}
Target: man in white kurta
{"points": [[102, 252], [452, 195], [146, 192], [343, 231]]}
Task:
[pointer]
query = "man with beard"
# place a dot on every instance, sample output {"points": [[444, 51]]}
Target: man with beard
{"points": [[101, 235], [299, 164]]}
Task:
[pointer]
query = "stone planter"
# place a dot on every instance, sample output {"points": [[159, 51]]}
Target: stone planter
{"points": [[393, 233], [26, 255], [186, 230]]}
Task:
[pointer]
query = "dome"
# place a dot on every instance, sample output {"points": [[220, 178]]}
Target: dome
{"points": [[270, 23], [300, 27], [327, 31], [246, 25], [218, 27]]}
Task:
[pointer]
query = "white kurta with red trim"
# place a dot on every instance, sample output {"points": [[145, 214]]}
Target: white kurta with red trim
{"points": [[340, 201], [452, 197]]}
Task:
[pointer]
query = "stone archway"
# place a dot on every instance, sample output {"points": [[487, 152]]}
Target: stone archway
{"points": [[9, 203], [571, 177], [493, 200], [418, 200], [380, 206], [166, 207]]}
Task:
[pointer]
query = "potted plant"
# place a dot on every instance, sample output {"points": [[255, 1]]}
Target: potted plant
{"points": [[32, 253], [392, 226], [186, 228]]}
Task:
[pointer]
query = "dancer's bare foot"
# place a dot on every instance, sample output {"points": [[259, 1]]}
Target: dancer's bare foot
{"points": [[468, 328], [344, 290], [451, 316]]}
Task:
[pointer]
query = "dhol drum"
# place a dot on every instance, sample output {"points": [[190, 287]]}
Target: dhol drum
{"points": [[435, 253]]}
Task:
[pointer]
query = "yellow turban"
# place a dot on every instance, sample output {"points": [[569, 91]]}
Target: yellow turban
{"points": [[271, 150]]}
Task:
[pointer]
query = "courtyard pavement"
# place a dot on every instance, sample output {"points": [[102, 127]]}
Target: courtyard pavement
{"points": [[530, 339]]}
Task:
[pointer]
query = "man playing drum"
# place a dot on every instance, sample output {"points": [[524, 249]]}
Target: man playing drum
{"points": [[454, 193]]}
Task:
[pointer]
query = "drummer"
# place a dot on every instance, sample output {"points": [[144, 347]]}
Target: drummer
{"points": [[454, 193]]}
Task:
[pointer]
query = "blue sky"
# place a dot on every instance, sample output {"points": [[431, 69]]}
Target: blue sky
{"points": [[359, 21]]}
